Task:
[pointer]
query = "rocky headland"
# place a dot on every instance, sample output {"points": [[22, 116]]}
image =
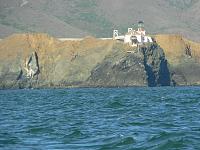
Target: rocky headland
{"points": [[41, 61]]}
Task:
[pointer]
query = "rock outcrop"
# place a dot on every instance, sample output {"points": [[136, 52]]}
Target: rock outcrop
{"points": [[148, 67], [41, 61], [156, 65], [32, 66], [119, 69], [38, 60], [183, 57]]}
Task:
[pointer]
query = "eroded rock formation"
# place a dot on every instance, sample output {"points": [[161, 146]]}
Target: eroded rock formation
{"points": [[32, 66], [119, 70], [149, 67], [41, 61], [156, 65]]}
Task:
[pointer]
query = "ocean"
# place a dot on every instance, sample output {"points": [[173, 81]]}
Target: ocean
{"points": [[138, 118]]}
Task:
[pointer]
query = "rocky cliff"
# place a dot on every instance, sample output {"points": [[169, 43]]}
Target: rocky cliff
{"points": [[145, 66], [183, 57], [38, 60]]}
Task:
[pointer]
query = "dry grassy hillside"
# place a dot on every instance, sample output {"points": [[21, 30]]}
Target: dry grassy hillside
{"points": [[58, 60], [176, 48], [78, 18], [184, 58], [72, 62]]}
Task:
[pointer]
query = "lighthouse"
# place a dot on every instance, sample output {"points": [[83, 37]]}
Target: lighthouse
{"points": [[134, 37], [141, 27]]}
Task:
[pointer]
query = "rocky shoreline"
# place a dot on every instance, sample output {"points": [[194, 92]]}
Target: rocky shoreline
{"points": [[41, 61]]}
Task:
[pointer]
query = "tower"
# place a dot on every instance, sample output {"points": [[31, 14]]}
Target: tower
{"points": [[130, 29], [115, 34], [140, 26], [141, 29]]}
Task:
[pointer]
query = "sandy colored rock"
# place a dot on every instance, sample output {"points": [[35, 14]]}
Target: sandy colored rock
{"points": [[95, 62]]}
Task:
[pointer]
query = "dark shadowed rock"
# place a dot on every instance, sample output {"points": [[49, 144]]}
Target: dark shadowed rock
{"points": [[156, 65], [119, 70], [41, 61], [183, 59], [147, 68]]}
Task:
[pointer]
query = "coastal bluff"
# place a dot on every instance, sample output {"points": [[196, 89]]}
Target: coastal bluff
{"points": [[41, 61]]}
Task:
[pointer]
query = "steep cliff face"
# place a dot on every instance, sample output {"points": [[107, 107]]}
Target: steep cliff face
{"points": [[32, 66], [183, 57], [156, 66], [148, 67], [38, 60], [119, 69]]}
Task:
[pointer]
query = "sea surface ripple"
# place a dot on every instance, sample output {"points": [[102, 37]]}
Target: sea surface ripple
{"points": [[163, 118]]}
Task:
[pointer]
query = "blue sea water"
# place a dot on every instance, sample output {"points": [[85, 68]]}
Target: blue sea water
{"points": [[164, 118]]}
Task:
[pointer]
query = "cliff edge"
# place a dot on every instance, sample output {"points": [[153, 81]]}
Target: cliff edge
{"points": [[41, 61]]}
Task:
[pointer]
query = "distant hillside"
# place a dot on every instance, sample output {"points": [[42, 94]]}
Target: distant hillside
{"points": [[79, 18]]}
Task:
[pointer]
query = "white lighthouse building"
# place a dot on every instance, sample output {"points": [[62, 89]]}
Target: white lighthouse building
{"points": [[134, 37]]}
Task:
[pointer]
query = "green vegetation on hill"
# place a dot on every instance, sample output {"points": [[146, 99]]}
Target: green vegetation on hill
{"points": [[86, 17], [182, 4], [79, 18]]}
